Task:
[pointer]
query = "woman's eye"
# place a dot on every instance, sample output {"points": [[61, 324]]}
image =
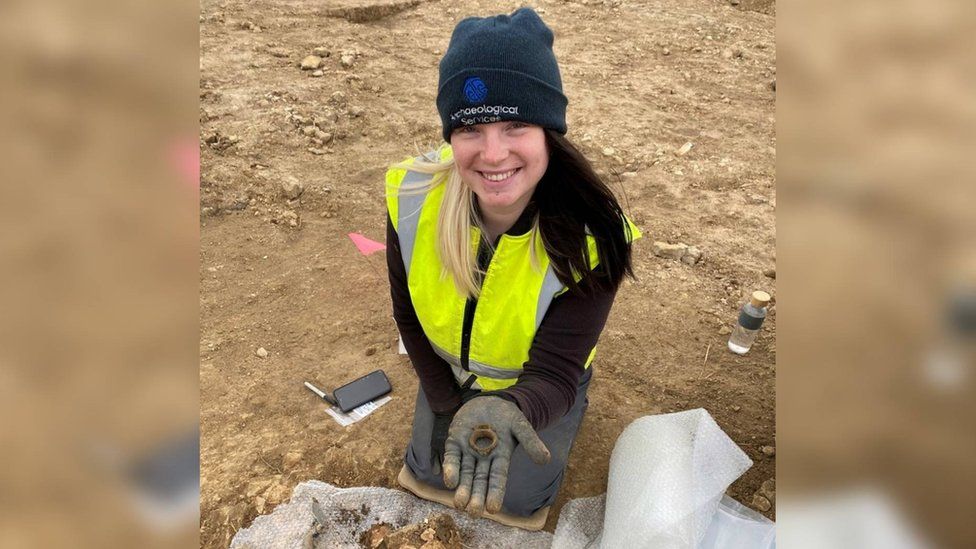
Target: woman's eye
{"points": [[465, 129], [518, 125]]}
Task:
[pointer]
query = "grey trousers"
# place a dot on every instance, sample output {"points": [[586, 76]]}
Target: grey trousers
{"points": [[530, 486]]}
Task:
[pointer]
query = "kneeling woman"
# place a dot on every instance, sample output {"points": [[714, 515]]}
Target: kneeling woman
{"points": [[505, 252]]}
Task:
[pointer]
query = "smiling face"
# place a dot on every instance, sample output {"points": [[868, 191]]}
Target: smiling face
{"points": [[501, 163]]}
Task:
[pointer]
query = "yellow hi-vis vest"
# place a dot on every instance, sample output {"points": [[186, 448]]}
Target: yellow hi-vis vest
{"points": [[514, 295]]}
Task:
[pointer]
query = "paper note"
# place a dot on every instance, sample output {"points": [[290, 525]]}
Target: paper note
{"points": [[356, 414]]}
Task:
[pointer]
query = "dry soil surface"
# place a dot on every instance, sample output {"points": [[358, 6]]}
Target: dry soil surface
{"points": [[643, 79]]}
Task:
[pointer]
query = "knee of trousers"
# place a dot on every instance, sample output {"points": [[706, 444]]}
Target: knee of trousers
{"points": [[524, 497], [417, 458]]}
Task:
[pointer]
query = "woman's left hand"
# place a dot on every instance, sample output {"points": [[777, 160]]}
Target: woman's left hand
{"points": [[480, 476]]}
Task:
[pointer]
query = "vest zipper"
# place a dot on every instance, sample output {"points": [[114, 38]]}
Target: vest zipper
{"points": [[484, 259]]}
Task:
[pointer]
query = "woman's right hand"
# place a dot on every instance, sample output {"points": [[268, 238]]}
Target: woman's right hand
{"points": [[481, 476]]}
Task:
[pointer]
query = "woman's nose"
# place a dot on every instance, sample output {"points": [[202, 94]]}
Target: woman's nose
{"points": [[495, 149]]}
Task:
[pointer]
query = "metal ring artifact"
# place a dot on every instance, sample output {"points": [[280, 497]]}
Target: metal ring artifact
{"points": [[483, 433]]}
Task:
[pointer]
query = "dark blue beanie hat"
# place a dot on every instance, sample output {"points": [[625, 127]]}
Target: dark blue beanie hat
{"points": [[501, 68]]}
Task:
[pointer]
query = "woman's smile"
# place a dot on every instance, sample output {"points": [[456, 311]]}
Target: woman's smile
{"points": [[498, 180]]}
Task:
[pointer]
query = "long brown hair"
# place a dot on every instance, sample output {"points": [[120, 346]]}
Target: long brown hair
{"points": [[574, 201]]}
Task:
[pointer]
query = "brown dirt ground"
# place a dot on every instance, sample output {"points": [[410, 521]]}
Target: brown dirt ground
{"points": [[642, 77]]}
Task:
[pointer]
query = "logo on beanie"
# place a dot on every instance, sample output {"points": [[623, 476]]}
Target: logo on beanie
{"points": [[475, 90]]}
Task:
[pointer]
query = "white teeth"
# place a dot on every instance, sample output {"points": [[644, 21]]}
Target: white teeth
{"points": [[498, 177]]}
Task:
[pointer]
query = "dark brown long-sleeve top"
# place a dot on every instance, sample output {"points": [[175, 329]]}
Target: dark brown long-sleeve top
{"points": [[546, 388]]}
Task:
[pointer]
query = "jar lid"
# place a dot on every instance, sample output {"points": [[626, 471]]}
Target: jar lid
{"points": [[760, 299]]}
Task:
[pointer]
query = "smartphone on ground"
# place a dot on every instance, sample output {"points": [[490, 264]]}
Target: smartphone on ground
{"points": [[365, 389]]}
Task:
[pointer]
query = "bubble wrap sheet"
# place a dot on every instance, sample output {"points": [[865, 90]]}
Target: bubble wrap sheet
{"points": [[668, 475], [349, 512]]}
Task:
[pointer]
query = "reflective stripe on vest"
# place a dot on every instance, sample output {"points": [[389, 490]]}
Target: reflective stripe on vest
{"points": [[408, 215]]}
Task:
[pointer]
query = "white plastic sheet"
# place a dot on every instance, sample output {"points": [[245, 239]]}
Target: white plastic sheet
{"points": [[667, 475], [736, 526]]}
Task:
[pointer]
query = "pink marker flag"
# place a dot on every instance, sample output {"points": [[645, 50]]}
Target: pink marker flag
{"points": [[365, 245]]}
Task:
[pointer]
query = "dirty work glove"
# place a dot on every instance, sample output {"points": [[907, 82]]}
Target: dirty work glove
{"points": [[438, 434], [480, 479]]}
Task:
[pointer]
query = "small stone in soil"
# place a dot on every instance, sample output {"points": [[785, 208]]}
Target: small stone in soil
{"points": [[292, 188], [761, 503], [292, 459], [692, 255], [375, 536], [261, 352], [311, 63], [670, 251]]}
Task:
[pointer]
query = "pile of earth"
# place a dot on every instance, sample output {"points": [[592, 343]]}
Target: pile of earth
{"points": [[437, 532]]}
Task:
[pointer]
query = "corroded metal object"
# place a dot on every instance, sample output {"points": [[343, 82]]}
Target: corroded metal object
{"points": [[483, 439]]}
